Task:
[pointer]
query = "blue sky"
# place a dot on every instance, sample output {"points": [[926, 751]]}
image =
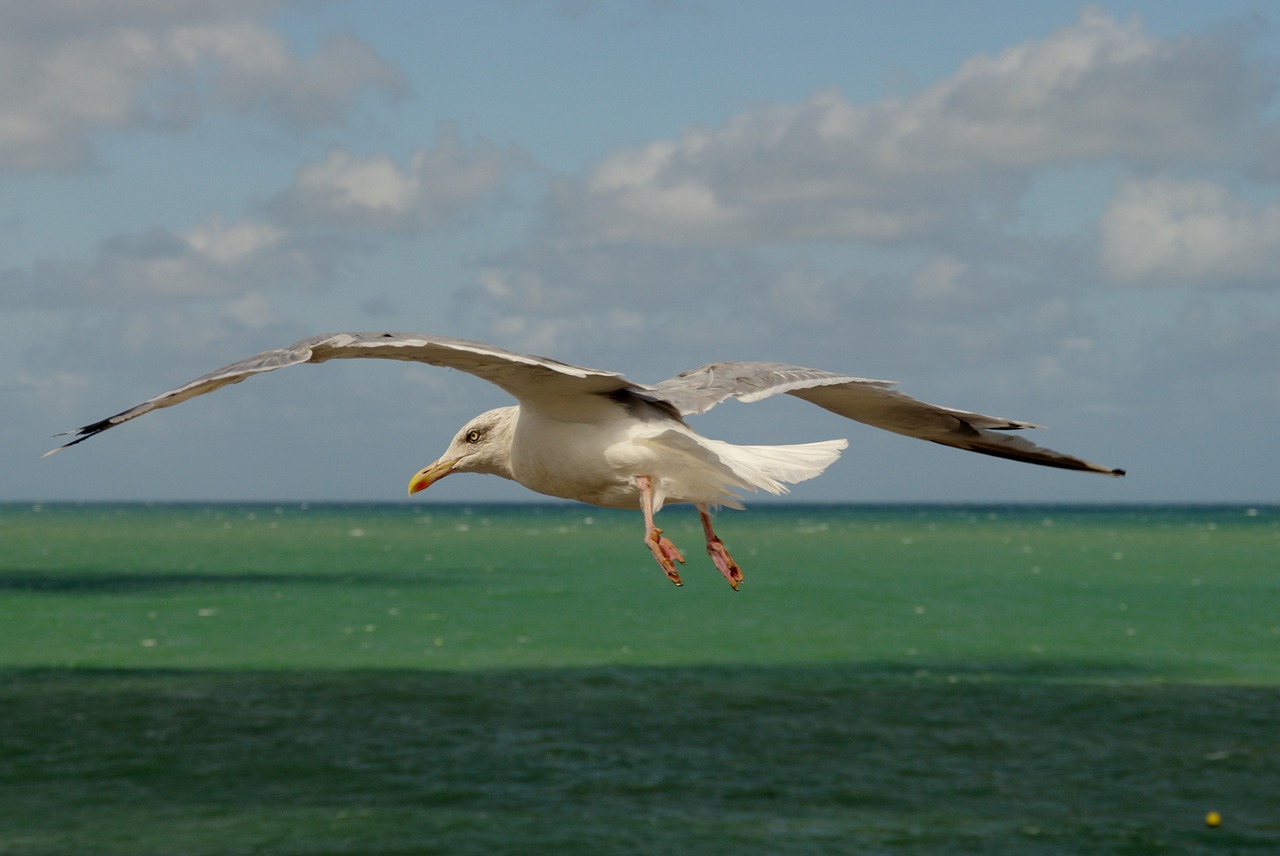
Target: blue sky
{"points": [[1060, 213]]}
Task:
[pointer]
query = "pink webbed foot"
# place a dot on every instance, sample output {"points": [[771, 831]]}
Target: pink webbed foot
{"points": [[666, 553], [724, 562], [661, 548], [716, 550]]}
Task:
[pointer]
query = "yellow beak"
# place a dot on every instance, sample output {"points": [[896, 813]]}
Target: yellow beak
{"points": [[429, 475]]}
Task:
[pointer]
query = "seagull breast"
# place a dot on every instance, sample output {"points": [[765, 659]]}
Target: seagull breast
{"points": [[589, 450]]}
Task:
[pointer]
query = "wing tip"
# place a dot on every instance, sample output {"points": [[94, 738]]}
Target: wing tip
{"points": [[82, 434]]}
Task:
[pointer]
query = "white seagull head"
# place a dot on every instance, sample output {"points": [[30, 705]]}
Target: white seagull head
{"points": [[483, 445]]}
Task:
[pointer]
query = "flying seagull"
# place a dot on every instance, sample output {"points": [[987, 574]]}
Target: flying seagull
{"points": [[594, 436]]}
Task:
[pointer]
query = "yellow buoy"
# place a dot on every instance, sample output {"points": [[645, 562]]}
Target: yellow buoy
{"points": [[1213, 819]]}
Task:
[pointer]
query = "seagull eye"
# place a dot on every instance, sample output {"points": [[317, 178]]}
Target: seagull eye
{"points": [[473, 436]]}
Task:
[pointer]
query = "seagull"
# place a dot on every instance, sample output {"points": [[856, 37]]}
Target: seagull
{"points": [[594, 436]]}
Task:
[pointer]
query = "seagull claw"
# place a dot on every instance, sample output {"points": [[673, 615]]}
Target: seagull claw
{"points": [[724, 562], [666, 553], [715, 549]]}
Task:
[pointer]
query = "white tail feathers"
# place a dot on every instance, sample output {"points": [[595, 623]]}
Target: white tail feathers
{"points": [[772, 468], [713, 472]]}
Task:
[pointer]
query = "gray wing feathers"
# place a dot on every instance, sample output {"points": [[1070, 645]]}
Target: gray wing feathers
{"points": [[233, 373], [487, 361], [698, 390], [873, 402], [960, 429], [518, 374]]}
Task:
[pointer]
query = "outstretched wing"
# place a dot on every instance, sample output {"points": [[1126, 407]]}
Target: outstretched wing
{"points": [[873, 402], [522, 375]]}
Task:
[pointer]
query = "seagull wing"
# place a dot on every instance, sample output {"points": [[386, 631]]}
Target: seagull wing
{"points": [[524, 376], [874, 402]]}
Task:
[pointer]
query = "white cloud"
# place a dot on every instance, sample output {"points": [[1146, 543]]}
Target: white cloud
{"points": [[212, 261], [72, 68], [942, 316], [439, 184], [1188, 231], [940, 279], [296, 245], [140, 349], [1098, 90], [251, 311], [226, 244]]}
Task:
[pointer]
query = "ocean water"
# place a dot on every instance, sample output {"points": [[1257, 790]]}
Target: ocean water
{"points": [[1193, 591], [415, 678]]}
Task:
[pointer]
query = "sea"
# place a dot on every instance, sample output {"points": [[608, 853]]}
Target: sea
{"points": [[415, 678], [1158, 589]]}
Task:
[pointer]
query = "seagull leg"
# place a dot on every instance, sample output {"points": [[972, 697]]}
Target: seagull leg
{"points": [[717, 552], [661, 548]]}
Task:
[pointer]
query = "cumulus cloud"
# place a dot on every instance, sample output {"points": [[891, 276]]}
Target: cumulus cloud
{"points": [[548, 296], [638, 303], [1166, 230], [296, 243], [132, 340], [72, 68], [1098, 90], [215, 260], [374, 193]]}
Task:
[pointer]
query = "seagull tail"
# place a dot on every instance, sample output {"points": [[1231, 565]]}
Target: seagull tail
{"points": [[772, 468]]}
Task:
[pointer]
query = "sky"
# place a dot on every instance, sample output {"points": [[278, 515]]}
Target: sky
{"points": [[1061, 213]]}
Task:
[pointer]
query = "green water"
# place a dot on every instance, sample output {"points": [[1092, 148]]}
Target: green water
{"points": [[415, 678]]}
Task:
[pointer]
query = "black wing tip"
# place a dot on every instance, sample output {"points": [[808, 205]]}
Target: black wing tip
{"points": [[82, 434], [1118, 473]]}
